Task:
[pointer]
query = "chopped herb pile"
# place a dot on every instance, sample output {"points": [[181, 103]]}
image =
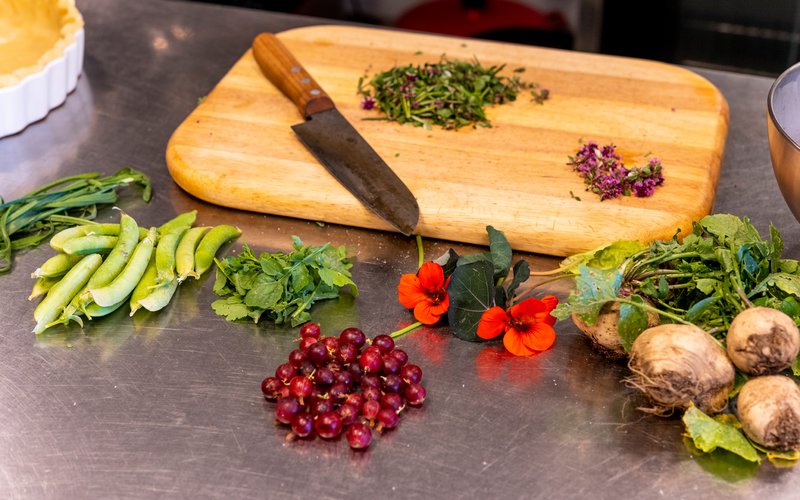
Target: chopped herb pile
{"points": [[604, 173], [280, 286], [30, 220], [450, 94], [717, 271]]}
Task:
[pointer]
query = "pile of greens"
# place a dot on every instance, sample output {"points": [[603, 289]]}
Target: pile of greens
{"points": [[450, 94], [280, 286], [721, 268]]}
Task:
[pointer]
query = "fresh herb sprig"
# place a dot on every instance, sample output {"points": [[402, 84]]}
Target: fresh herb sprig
{"points": [[280, 286], [31, 219], [450, 94]]}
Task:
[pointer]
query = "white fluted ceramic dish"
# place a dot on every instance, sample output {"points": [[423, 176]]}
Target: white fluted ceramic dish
{"points": [[41, 57]]}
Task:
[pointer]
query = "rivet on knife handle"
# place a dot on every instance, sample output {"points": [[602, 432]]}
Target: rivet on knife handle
{"points": [[288, 75]]}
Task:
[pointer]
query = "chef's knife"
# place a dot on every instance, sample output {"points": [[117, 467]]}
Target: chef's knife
{"points": [[334, 142]]}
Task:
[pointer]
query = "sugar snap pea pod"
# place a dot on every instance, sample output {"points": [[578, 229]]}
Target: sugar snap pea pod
{"points": [[115, 262], [56, 266], [95, 311], [145, 284], [62, 292], [126, 281], [210, 245], [42, 286], [94, 243], [184, 254], [165, 255], [182, 221], [160, 295], [111, 266], [60, 238]]}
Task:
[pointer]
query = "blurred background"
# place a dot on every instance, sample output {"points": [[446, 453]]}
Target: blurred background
{"points": [[759, 37]]}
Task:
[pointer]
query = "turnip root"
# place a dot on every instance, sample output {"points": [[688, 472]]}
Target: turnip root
{"points": [[763, 341], [604, 331], [680, 364], [769, 410]]}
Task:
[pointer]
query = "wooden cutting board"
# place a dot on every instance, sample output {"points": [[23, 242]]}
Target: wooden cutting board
{"points": [[236, 149]]}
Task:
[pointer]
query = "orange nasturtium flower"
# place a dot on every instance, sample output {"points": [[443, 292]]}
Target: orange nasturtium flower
{"points": [[425, 293], [528, 326]]}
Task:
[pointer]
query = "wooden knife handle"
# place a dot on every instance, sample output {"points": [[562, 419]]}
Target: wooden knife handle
{"points": [[286, 73]]}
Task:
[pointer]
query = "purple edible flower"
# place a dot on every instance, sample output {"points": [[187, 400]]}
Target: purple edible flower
{"points": [[368, 102], [604, 173]]}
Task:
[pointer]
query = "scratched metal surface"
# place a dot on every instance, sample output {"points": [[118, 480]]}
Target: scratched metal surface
{"points": [[168, 405]]}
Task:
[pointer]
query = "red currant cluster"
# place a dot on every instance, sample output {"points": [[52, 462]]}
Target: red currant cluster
{"points": [[330, 385]]}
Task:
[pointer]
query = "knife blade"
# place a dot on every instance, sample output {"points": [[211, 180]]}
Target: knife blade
{"points": [[334, 142]]}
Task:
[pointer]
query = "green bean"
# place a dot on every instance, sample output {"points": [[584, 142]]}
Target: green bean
{"points": [[58, 239], [142, 289], [184, 254], [160, 295], [94, 243], [126, 281], [56, 266], [63, 291], [210, 245], [42, 286], [165, 255], [182, 221]]}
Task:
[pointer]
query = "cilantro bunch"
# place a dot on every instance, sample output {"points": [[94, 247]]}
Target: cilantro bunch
{"points": [[280, 286]]}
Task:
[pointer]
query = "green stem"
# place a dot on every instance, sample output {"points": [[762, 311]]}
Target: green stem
{"points": [[652, 309], [403, 331], [420, 252]]}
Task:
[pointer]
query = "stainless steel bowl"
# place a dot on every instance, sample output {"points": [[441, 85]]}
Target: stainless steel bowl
{"points": [[783, 128]]}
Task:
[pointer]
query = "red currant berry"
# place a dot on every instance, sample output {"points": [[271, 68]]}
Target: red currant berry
{"points": [[400, 355], [353, 336], [310, 330], [284, 372], [307, 342], [348, 414], [359, 436], [393, 401], [302, 424], [300, 387], [297, 357], [387, 418], [414, 394], [328, 425], [287, 408], [391, 383], [383, 342], [318, 354], [370, 361], [347, 353], [370, 409], [270, 386], [411, 374]]}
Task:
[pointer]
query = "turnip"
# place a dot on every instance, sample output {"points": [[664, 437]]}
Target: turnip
{"points": [[604, 332], [678, 364], [763, 341], [769, 410]]}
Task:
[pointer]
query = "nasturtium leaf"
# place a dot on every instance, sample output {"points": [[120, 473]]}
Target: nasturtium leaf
{"points": [[520, 274], [464, 260], [632, 322], [709, 434], [471, 293], [448, 261], [500, 251]]}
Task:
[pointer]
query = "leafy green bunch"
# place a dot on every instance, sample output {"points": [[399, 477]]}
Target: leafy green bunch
{"points": [[717, 271], [280, 286]]}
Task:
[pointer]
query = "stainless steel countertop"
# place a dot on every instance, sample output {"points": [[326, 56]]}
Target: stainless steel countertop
{"points": [[168, 405]]}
